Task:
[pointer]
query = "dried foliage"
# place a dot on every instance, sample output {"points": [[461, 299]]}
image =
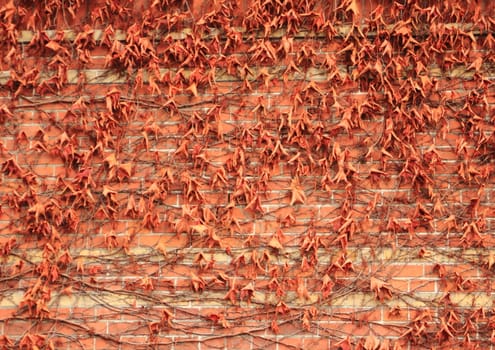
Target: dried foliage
{"points": [[235, 172]]}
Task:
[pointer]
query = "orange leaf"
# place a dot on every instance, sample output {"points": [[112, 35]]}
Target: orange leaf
{"points": [[56, 47], [382, 289], [247, 291], [306, 322], [198, 284], [80, 265], [371, 342], [193, 89], [476, 65], [67, 291], [275, 243], [126, 169], [298, 195], [491, 260], [108, 191], [327, 286], [111, 160], [274, 327], [344, 344], [353, 7]]}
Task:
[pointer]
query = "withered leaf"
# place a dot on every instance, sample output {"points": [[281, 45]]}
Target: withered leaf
{"points": [[297, 192]]}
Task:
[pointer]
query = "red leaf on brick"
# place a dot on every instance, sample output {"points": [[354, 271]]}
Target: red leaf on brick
{"points": [[275, 243], [274, 327], [327, 286], [297, 192], [371, 343], [382, 289], [344, 344], [198, 283]]}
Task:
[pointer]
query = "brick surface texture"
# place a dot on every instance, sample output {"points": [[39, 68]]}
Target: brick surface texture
{"points": [[247, 174]]}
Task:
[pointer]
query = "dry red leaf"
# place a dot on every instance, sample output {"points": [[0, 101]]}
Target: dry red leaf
{"points": [[381, 289]]}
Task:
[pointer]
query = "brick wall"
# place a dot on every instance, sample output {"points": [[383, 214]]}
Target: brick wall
{"points": [[246, 174]]}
